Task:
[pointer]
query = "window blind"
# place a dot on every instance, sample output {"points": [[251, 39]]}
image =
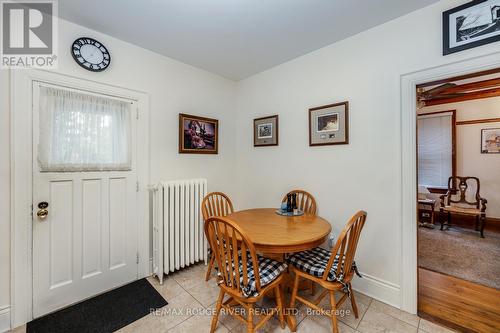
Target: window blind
{"points": [[435, 146]]}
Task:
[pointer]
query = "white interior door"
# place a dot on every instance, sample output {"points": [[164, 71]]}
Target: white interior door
{"points": [[85, 240]]}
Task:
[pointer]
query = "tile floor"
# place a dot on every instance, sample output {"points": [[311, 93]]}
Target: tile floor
{"points": [[189, 297]]}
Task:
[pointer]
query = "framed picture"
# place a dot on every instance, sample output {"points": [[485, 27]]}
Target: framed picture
{"points": [[490, 141], [265, 131], [198, 135], [473, 24], [329, 125]]}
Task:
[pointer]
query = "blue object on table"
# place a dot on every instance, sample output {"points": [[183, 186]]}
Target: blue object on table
{"points": [[283, 206], [331, 240], [285, 213]]}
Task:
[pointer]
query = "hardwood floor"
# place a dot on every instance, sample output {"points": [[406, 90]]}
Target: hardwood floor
{"points": [[459, 304]]}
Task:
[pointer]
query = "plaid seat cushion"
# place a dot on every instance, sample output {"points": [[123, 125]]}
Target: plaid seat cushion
{"points": [[314, 263], [269, 270]]}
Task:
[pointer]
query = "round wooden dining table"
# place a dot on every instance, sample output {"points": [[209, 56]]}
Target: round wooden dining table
{"points": [[272, 233], [277, 234]]}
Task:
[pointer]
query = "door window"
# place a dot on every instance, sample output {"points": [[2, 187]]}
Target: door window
{"points": [[83, 132]]}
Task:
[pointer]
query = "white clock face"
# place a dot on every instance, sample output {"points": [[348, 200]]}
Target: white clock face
{"points": [[90, 54]]}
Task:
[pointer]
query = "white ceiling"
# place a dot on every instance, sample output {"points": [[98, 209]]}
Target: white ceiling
{"points": [[234, 38]]}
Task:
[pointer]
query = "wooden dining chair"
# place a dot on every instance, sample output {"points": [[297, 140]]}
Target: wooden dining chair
{"points": [[307, 204], [215, 204], [243, 275], [305, 201], [322, 267]]}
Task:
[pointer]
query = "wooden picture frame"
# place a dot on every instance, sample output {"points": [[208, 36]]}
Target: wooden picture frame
{"points": [[198, 135], [461, 30], [266, 131], [494, 136], [329, 124]]}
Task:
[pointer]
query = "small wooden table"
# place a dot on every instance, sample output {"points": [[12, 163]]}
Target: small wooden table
{"points": [[276, 234], [426, 213]]}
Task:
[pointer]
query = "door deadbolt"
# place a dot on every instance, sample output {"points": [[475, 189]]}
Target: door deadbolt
{"points": [[43, 205]]}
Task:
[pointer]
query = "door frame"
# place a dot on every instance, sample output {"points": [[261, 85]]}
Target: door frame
{"points": [[21, 190], [408, 134]]}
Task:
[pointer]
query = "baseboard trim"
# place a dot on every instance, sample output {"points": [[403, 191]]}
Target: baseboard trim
{"points": [[379, 289], [4, 319], [468, 222]]}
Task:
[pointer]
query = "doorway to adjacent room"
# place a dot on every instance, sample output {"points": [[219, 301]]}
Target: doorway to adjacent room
{"points": [[458, 158]]}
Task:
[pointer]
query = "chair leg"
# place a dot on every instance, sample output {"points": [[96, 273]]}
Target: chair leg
{"points": [[291, 318], [483, 223], [333, 315], [353, 302], [279, 304], [441, 219], [250, 328], [210, 266], [217, 311], [448, 221]]}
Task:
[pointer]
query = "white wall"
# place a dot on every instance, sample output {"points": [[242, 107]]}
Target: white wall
{"points": [[470, 161], [172, 87], [365, 70]]}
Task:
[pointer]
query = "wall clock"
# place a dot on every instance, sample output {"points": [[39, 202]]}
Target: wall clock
{"points": [[90, 54]]}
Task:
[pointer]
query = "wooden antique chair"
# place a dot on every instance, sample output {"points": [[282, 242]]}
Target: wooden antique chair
{"points": [[322, 267], [305, 201], [463, 198], [215, 204], [243, 275]]}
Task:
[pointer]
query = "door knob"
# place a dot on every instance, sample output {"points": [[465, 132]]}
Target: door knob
{"points": [[42, 214], [42, 210]]}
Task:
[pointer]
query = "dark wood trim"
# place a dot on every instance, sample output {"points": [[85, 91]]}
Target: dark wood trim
{"points": [[436, 112], [478, 121], [480, 94], [182, 150], [277, 131], [438, 190], [459, 78], [467, 87], [346, 141], [453, 143]]}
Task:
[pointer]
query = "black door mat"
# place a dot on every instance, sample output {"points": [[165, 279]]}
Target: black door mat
{"points": [[107, 312]]}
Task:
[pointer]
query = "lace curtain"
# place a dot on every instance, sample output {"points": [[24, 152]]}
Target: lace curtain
{"points": [[83, 132]]}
